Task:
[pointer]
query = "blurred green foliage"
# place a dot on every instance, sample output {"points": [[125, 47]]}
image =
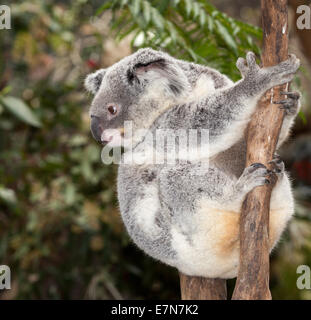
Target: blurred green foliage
{"points": [[189, 29], [60, 230]]}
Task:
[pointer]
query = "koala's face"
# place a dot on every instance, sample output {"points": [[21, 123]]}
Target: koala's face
{"points": [[132, 90], [112, 106]]}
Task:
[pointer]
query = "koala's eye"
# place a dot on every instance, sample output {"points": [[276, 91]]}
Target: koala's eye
{"points": [[112, 109]]}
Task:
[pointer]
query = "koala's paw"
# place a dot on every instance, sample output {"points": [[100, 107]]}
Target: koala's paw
{"points": [[258, 80], [253, 176], [277, 165], [282, 73], [291, 104], [248, 66]]}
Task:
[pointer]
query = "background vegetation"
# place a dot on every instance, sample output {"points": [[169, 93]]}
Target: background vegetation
{"points": [[60, 229]]}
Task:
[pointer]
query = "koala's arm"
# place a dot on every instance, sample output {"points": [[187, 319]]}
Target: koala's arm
{"points": [[205, 79], [291, 106], [226, 112]]}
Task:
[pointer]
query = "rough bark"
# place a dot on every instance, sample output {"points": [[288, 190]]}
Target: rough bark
{"points": [[199, 288], [262, 137]]}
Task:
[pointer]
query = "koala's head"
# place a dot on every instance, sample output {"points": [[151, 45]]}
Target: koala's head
{"points": [[138, 89]]}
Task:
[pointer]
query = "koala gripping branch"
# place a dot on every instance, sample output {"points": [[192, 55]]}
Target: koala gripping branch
{"points": [[262, 137]]}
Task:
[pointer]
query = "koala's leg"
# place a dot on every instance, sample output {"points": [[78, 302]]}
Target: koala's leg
{"points": [[204, 209], [146, 221], [282, 202], [291, 105], [227, 112], [205, 213]]}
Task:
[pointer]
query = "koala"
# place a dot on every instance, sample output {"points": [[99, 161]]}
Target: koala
{"points": [[186, 214]]}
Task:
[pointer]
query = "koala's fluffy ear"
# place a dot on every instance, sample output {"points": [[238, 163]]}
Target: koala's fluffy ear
{"points": [[93, 81], [160, 71]]}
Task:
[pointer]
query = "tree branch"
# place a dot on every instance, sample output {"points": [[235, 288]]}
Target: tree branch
{"points": [[262, 137], [199, 288]]}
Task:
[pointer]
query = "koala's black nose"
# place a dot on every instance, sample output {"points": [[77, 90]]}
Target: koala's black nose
{"points": [[96, 128]]}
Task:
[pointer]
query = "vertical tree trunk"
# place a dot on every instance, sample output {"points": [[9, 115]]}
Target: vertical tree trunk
{"points": [[199, 288], [262, 137]]}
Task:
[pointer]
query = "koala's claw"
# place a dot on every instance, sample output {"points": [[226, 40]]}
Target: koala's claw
{"points": [[253, 176], [290, 105], [292, 95], [251, 59], [285, 71], [257, 165], [278, 166], [248, 65]]}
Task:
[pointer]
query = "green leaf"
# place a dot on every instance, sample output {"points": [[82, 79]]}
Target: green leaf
{"points": [[157, 19], [202, 17], [105, 6], [5, 90], [125, 32], [247, 28], [236, 30], [123, 3], [172, 30], [146, 11], [196, 10], [20, 110], [70, 194], [7, 195], [210, 23], [163, 5], [188, 7], [136, 7], [226, 36]]}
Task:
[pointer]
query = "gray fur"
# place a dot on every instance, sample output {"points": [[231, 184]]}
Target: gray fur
{"points": [[139, 84]]}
